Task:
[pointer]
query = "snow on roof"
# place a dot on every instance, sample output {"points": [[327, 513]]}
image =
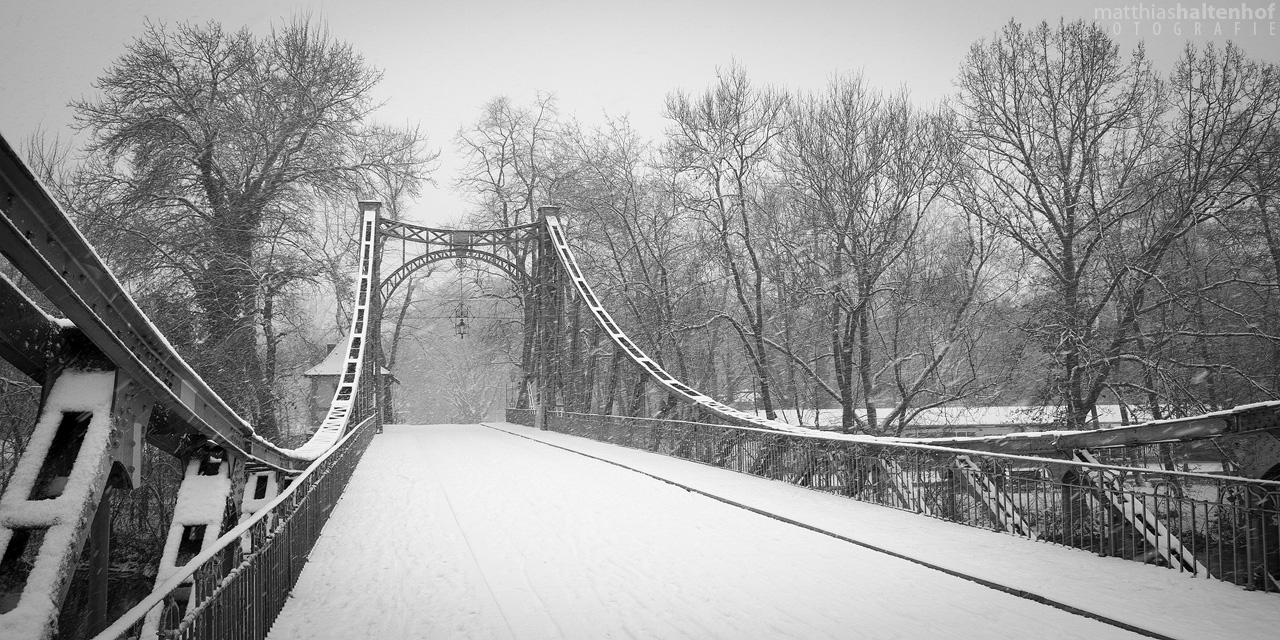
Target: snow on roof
{"points": [[332, 363]]}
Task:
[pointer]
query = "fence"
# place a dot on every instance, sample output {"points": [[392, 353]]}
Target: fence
{"points": [[236, 589], [1215, 526]]}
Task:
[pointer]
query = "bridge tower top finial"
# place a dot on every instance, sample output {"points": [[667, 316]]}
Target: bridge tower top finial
{"points": [[370, 205], [548, 210]]}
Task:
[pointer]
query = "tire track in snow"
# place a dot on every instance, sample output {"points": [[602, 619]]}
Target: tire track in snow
{"points": [[453, 513], [1014, 591]]}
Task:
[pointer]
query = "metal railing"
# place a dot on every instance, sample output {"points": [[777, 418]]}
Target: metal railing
{"points": [[1216, 526], [236, 589]]}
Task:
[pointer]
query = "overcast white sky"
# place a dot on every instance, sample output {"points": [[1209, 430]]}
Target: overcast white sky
{"points": [[443, 60]]}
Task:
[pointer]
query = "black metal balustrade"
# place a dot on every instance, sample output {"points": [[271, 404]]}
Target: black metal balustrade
{"points": [[236, 589], [1209, 525]]}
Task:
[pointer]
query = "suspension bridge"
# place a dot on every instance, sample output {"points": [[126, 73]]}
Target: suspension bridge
{"points": [[561, 522]]}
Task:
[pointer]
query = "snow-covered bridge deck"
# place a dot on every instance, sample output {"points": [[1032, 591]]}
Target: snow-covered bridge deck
{"points": [[468, 531]]}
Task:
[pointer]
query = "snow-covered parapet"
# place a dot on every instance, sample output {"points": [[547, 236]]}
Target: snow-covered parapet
{"points": [[196, 525], [202, 501], [62, 514], [259, 491]]}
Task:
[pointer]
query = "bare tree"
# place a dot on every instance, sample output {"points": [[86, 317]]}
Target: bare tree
{"points": [[721, 144], [1209, 337], [866, 168], [1063, 134], [511, 170], [510, 154], [19, 400], [638, 248], [208, 143]]}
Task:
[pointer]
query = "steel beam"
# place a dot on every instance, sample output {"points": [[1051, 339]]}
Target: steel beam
{"points": [[908, 493], [398, 276], [100, 564], [208, 484], [506, 236], [1246, 419], [40, 240]]}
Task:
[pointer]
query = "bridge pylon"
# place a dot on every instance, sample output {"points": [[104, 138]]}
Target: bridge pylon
{"points": [[526, 256]]}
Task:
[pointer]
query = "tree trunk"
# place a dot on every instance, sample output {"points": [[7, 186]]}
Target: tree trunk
{"points": [[864, 363], [842, 330], [390, 354], [589, 369], [611, 394], [227, 299]]}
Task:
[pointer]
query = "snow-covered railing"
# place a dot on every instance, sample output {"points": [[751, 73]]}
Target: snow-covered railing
{"points": [[359, 355], [1224, 526], [655, 371], [237, 586], [1229, 525]]}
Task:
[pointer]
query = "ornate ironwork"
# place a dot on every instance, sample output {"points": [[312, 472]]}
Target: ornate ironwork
{"points": [[402, 273], [443, 238]]}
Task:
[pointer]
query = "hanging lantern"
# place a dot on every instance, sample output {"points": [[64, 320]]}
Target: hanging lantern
{"points": [[461, 313]]}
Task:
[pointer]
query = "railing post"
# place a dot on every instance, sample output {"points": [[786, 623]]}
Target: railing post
{"points": [[1250, 541]]}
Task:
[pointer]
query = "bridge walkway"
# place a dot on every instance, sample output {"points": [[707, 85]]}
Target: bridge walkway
{"points": [[500, 531]]}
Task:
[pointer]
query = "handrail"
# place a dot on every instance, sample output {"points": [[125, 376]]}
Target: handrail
{"points": [[892, 443]]}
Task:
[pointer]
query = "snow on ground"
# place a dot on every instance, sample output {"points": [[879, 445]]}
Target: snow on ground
{"points": [[1154, 598], [464, 531]]}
